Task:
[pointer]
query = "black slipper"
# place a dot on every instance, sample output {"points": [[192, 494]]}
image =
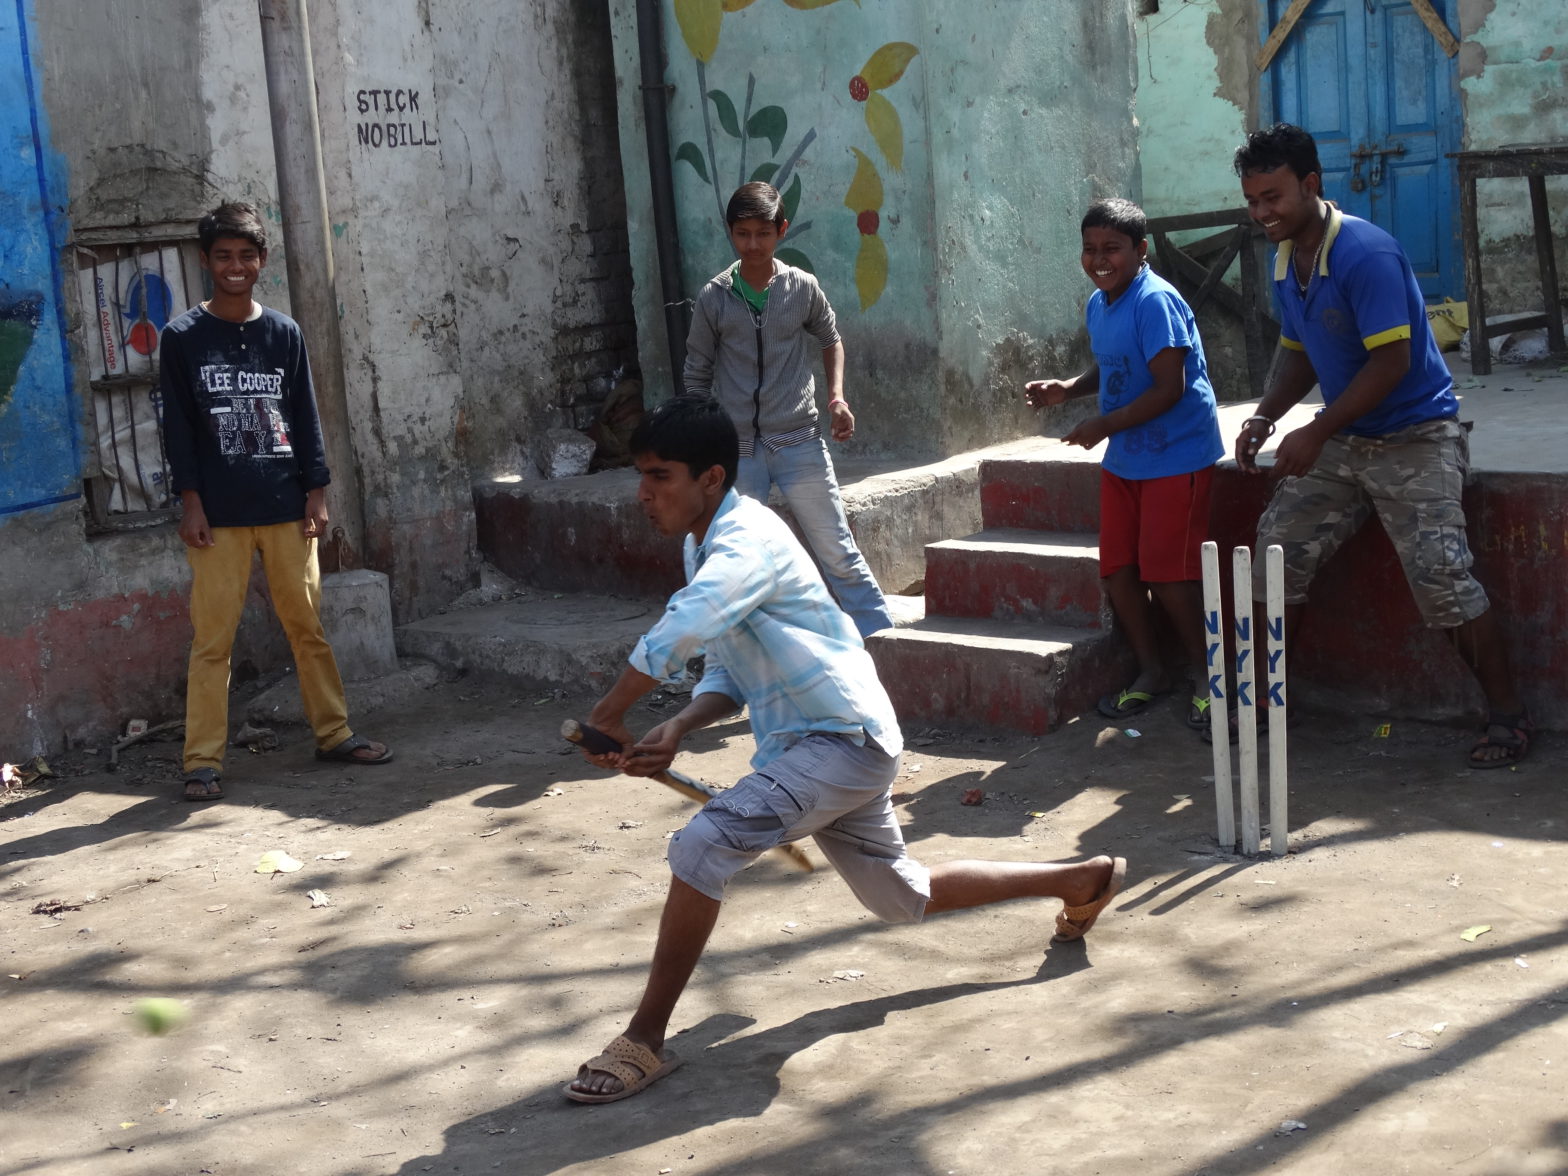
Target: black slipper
{"points": [[1510, 733], [344, 752], [202, 784]]}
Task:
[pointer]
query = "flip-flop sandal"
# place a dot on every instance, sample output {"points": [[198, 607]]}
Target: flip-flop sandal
{"points": [[1510, 733], [1198, 712], [344, 752], [637, 1066], [1231, 723], [1074, 922], [1125, 704], [202, 784]]}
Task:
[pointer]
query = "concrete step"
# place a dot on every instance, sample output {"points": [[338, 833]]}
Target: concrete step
{"points": [[997, 674], [1010, 574], [1055, 489], [576, 642]]}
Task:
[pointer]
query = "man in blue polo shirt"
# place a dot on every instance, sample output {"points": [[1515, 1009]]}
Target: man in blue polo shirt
{"points": [[1352, 320]]}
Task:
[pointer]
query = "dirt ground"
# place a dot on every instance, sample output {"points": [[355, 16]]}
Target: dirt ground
{"points": [[488, 928]]}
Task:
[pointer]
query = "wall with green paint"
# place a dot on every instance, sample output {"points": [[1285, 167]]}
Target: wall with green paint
{"points": [[1513, 79], [1009, 120], [1194, 93]]}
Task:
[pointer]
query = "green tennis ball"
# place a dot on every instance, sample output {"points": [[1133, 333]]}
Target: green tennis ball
{"points": [[160, 1014]]}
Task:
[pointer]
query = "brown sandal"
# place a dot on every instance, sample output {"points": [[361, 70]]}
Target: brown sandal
{"points": [[1074, 922], [1510, 733], [635, 1065], [202, 784]]}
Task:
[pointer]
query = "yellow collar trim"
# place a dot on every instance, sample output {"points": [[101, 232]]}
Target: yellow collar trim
{"points": [[1287, 249]]}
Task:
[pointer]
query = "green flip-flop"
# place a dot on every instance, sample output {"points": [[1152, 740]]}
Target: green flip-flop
{"points": [[1198, 712], [1125, 704]]}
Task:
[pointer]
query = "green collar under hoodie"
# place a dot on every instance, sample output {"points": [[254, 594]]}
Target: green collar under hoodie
{"points": [[761, 366]]}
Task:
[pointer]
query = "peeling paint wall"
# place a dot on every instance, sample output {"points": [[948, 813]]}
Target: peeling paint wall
{"points": [[1194, 91], [944, 232], [1513, 78], [475, 197], [536, 220]]}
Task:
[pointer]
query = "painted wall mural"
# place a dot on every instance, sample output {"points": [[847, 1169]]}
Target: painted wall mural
{"points": [[864, 197], [749, 126], [38, 417]]}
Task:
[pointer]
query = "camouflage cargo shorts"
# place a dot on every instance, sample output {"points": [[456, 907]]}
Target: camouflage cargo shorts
{"points": [[1413, 479]]}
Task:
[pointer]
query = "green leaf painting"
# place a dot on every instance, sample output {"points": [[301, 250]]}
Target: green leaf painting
{"points": [[726, 112], [700, 22], [770, 123], [795, 258], [692, 154], [792, 198]]}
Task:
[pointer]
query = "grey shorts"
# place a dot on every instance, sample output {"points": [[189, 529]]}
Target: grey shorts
{"points": [[825, 787], [1413, 479]]}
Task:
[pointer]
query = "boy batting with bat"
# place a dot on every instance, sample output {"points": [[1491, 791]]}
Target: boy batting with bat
{"points": [[828, 743]]}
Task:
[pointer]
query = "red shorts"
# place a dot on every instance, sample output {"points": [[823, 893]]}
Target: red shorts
{"points": [[1157, 525]]}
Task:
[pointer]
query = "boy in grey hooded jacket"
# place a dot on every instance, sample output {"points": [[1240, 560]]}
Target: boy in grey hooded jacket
{"points": [[750, 346]]}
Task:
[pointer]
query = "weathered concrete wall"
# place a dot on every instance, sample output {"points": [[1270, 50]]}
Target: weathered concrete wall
{"points": [[536, 219], [942, 158], [1513, 79], [483, 282], [382, 132], [1195, 89]]}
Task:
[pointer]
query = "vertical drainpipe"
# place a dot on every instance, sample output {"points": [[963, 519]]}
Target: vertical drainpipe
{"points": [[307, 242], [655, 96]]}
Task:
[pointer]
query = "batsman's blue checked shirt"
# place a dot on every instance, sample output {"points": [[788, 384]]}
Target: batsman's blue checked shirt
{"points": [[775, 640]]}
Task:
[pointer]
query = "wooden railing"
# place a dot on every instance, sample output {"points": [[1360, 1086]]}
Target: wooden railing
{"points": [[1198, 269]]}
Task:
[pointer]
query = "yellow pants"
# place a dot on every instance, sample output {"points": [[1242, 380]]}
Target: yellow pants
{"points": [[220, 576]]}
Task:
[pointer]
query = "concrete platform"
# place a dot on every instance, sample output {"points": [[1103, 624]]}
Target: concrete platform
{"points": [[575, 642], [587, 534]]}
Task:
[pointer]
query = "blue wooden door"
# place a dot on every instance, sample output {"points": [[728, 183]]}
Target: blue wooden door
{"points": [[1370, 82]]}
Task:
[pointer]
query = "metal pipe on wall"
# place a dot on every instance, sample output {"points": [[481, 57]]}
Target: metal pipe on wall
{"points": [[650, 54], [307, 241]]}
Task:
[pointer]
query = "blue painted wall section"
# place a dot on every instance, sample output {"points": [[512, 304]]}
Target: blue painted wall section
{"points": [[39, 451]]}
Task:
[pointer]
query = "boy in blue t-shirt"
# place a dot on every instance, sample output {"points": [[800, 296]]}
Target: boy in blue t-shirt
{"points": [[1157, 409]]}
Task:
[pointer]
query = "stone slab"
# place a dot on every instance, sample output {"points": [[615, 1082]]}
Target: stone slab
{"points": [[578, 643], [995, 674], [356, 614], [1008, 574], [279, 704]]}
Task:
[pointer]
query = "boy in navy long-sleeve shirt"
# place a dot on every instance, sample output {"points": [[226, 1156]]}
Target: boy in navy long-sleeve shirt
{"points": [[244, 445]]}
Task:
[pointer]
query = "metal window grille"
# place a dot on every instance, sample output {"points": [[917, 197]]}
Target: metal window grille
{"points": [[129, 292]]}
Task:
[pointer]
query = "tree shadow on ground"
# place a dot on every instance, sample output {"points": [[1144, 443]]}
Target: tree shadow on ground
{"points": [[541, 1132], [553, 1132], [446, 744]]}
